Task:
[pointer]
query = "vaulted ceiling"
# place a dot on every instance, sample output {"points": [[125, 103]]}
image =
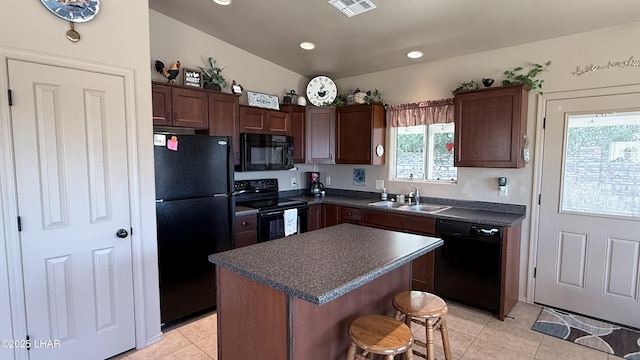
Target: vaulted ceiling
{"points": [[380, 39]]}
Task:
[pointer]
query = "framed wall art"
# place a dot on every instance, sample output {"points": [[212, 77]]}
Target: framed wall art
{"points": [[192, 77], [263, 100]]}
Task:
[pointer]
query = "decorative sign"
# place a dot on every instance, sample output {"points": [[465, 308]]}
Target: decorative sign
{"points": [[611, 64], [192, 77], [359, 177], [263, 100]]}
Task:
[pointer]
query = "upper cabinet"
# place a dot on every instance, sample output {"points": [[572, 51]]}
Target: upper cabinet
{"points": [[297, 120], [360, 134], [320, 134], [264, 121], [224, 118], [180, 107], [490, 125]]}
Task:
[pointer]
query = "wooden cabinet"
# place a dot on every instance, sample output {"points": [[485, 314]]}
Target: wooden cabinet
{"points": [[359, 131], [264, 121], [179, 107], [349, 215], [422, 267], [330, 215], [320, 134], [297, 120], [224, 114], [489, 127], [162, 109], [314, 217], [246, 232], [510, 269]]}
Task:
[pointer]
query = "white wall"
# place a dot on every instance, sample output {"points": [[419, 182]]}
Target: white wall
{"points": [[435, 80], [118, 36], [172, 40]]}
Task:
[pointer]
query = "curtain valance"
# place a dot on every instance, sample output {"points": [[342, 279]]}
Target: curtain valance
{"points": [[422, 113]]}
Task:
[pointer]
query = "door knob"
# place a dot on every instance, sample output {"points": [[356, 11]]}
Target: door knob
{"points": [[122, 233]]}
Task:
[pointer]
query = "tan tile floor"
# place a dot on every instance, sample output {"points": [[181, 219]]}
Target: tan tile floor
{"points": [[474, 335]]}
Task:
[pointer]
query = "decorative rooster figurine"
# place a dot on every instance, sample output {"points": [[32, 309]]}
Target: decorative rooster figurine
{"points": [[170, 73]]}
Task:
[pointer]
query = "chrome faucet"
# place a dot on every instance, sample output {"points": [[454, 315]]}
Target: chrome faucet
{"points": [[417, 194]]}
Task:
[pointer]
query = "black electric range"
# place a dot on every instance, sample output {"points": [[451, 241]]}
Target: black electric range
{"points": [[263, 195]]}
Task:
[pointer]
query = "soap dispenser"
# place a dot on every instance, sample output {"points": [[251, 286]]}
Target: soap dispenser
{"points": [[383, 195]]}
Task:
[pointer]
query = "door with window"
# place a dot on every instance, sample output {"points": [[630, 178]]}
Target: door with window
{"points": [[73, 201], [589, 232]]}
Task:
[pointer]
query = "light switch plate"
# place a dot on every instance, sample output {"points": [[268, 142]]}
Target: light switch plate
{"points": [[503, 191], [293, 182], [379, 184], [328, 180]]}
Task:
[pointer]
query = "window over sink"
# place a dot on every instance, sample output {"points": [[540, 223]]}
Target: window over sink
{"points": [[424, 152]]}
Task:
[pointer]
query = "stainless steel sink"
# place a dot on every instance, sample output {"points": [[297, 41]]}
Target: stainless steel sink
{"points": [[428, 208], [387, 204]]}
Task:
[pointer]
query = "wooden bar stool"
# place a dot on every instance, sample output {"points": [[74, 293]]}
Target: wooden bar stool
{"points": [[427, 310], [381, 335]]}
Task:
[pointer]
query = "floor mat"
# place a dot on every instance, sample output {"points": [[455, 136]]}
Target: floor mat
{"points": [[596, 334]]}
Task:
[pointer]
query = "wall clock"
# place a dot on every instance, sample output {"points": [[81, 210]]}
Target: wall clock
{"points": [[73, 10], [321, 90]]}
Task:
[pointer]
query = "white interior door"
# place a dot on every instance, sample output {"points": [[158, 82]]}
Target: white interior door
{"points": [[589, 234], [71, 171]]}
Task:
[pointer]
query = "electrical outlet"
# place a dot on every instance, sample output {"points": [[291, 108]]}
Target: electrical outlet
{"points": [[293, 182], [379, 184], [328, 180], [503, 190]]}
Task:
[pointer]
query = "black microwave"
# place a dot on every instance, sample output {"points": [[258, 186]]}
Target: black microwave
{"points": [[260, 152]]}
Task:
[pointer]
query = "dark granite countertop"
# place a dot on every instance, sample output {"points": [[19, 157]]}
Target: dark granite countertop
{"points": [[243, 210], [483, 213], [321, 265]]}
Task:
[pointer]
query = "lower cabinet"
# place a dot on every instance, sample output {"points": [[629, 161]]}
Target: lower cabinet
{"points": [[330, 215], [349, 215], [422, 267], [314, 217], [246, 230]]}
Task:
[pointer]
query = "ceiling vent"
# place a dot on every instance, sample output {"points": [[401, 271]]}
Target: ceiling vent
{"points": [[352, 7]]}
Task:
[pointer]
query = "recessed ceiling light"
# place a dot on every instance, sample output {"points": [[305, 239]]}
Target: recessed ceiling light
{"points": [[222, 2], [307, 45], [414, 54]]}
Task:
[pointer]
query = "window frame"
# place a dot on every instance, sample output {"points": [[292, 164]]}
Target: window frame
{"points": [[427, 150]]}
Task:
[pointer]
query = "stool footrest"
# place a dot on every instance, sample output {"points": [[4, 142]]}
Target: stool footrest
{"points": [[417, 353], [436, 324]]}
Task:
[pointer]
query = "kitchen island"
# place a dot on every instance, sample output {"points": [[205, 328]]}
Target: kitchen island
{"points": [[294, 298]]}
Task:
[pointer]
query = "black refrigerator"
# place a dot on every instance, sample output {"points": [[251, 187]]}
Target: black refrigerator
{"points": [[194, 211]]}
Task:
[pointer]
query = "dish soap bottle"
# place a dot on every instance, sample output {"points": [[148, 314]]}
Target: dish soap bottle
{"points": [[383, 196]]}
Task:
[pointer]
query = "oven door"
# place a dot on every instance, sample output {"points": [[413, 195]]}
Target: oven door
{"points": [[271, 224]]}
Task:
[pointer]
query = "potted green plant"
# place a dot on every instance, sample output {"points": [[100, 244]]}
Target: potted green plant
{"points": [[514, 77], [212, 77], [467, 85]]}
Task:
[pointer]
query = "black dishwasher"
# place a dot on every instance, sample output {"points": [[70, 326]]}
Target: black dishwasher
{"points": [[468, 266]]}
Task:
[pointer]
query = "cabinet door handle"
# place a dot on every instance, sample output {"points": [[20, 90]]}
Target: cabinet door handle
{"points": [[244, 223], [168, 115], [350, 214]]}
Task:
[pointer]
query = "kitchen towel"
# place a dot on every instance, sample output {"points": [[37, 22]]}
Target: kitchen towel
{"points": [[290, 221]]}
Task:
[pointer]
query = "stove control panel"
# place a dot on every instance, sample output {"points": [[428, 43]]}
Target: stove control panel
{"points": [[270, 185]]}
